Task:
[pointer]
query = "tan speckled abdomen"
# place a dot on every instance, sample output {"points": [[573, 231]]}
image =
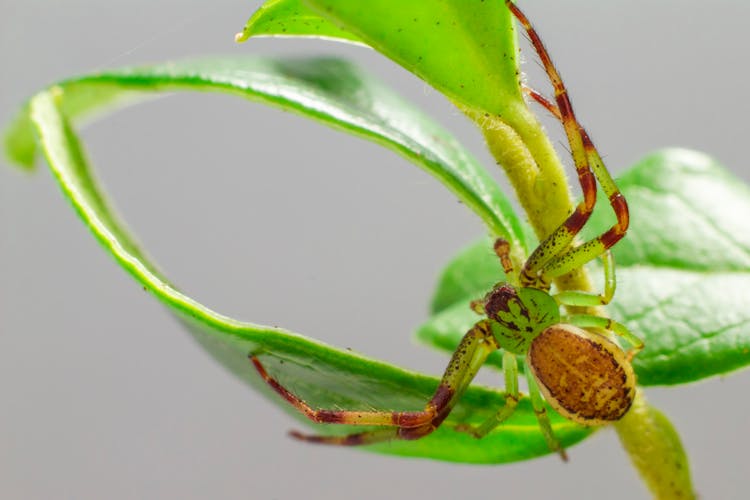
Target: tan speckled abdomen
{"points": [[584, 376]]}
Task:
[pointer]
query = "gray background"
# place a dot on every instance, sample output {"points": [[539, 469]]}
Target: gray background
{"points": [[103, 394]]}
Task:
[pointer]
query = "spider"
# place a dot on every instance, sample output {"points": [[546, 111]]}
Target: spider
{"points": [[583, 375]]}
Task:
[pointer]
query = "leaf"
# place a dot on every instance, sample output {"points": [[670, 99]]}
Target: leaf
{"points": [[466, 50], [325, 89], [334, 93], [683, 271]]}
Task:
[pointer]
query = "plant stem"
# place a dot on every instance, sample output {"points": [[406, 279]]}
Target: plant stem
{"points": [[520, 146], [655, 450]]}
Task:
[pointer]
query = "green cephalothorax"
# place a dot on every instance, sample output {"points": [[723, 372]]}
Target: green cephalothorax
{"points": [[583, 375], [518, 315]]}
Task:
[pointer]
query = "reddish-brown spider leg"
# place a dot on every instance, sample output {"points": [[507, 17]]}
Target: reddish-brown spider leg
{"points": [[550, 259], [502, 250], [543, 101], [476, 345], [594, 158]]}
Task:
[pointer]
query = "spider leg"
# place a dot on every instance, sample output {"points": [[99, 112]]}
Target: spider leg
{"points": [[510, 370], [584, 299], [591, 321], [589, 168], [593, 159], [591, 249], [471, 353], [502, 250], [366, 437], [543, 101], [537, 402]]}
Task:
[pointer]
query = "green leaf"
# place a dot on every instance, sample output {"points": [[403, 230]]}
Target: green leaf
{"points": [[328, 90], [683, 271], [334, 93], [466, 50]]}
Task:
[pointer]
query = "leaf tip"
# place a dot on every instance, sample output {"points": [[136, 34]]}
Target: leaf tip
{"points": [[19, 141], [249, 28], [241, 36]]}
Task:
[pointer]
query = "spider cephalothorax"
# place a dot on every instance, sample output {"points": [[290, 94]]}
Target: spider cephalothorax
{"points": [[518, 315]]}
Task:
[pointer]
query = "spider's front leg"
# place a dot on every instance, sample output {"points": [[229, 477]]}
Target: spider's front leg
{"points": [[471, 353], [552, 258]]}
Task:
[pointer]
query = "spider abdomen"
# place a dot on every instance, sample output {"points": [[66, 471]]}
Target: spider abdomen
{"points": [[584, 376]]}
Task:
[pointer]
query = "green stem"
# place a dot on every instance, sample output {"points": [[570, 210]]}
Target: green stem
{"points": [[655, 451], [520, 146]]}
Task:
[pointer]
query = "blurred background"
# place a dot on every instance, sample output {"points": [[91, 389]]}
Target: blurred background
{"points": [[264, 216]]}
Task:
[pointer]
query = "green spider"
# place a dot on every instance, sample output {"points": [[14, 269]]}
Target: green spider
{"points": [[583, 375]]}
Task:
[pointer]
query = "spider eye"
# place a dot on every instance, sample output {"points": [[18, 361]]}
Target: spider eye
{"points": [[497, 300]]}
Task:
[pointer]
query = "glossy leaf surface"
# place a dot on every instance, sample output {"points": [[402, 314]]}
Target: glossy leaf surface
{"points": [[338, 95], [466, 50], [327, 90]]}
